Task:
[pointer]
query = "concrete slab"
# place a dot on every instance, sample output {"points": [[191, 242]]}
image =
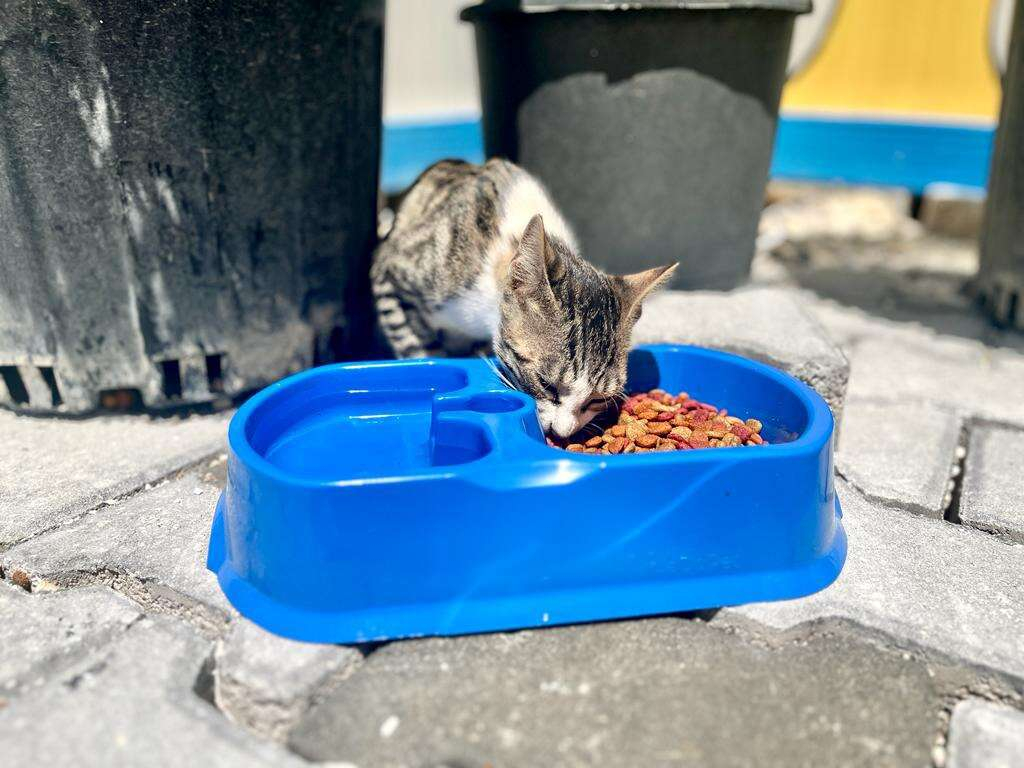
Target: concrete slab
{"points": [[660, 692], [54, 469]]}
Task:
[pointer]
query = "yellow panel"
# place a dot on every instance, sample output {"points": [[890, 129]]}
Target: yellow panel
{"points": [[907, 56]]}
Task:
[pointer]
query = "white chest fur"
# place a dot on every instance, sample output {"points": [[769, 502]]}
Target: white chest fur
{"points": [[474, 314]]}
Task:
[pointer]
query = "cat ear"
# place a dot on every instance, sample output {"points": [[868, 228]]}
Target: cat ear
{"points": [[636, 287], [528, 270]]}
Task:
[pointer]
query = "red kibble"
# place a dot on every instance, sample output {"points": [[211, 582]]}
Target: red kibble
{"points": [[741, 431]]}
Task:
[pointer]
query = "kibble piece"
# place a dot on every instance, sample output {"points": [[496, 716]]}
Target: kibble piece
{"points": [[742, 431], [619, 430], [574, 447], [635, 431], [594, 442], [659, 428], [754, 425], [646, 441], [647, 415], [617, 445]]}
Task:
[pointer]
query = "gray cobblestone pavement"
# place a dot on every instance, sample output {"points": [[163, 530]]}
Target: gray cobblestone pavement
{"points": [[118, 648]]}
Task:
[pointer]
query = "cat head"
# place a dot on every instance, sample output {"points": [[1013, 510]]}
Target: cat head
{"points": [[565, 328]]}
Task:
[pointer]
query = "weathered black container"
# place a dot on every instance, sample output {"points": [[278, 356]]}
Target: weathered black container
{"points": [[187, 194], [1001, 273], [651, 123]]}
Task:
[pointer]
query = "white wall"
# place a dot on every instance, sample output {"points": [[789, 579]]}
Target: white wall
{"points": [[430, 58], [429, 61]]}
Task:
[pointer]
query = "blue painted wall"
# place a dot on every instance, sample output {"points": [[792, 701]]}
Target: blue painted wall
{"points": [[910, 155]]}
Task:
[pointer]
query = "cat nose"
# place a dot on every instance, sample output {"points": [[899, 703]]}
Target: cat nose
{"points": [[564, 424]]}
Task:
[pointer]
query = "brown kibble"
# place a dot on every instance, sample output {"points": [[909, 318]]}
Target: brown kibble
{"points": [[21, 579], [635, 431], [646, 441], [658, 421]]}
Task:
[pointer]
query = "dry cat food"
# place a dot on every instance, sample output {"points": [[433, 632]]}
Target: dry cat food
{"points": [[658, 421]]}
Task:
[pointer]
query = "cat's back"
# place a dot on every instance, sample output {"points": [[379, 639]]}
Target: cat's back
{"points": [[493, 200]]}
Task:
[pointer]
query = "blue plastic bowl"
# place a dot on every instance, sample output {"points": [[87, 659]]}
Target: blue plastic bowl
{"points": [[379, 500]]}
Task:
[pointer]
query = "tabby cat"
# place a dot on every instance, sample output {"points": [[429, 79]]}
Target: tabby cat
{"points": [[480, 258]]}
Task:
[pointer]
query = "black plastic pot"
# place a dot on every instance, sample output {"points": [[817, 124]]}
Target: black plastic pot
{"points": [[187, 195], [651, 123], [1001, 273]]}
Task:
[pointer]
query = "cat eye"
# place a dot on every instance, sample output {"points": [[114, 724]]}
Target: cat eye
{"points": [[595, 403], [549, 389]]}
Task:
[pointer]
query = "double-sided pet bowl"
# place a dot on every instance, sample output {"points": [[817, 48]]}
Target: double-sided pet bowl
{"points": [[379, 500]]}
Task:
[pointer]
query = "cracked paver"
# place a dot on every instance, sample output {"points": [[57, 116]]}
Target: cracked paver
{"points": [[55, 469], [984, 734], [43, 634], [901, 453], [993, 486], [266, 682], [152, 546], [936, 584], [130, 703]]}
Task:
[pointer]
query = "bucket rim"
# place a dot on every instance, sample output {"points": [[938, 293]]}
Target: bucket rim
{"points": [[489, 7]]}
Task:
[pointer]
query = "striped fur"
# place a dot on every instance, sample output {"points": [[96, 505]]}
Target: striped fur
{"points": [[480, 258]]}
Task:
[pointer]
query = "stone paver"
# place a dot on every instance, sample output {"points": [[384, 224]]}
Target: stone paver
{"points": [[43, 634], [992, 497], [901, 453], [764, 323], [653, 693], [266, 682], [53, 469], [927, 581], [152, 546], [130, 703], [985, 735]]}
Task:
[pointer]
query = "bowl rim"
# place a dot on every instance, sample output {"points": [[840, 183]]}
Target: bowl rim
{"points": [[817, 431]]}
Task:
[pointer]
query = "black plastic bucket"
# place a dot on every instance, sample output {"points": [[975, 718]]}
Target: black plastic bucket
{"points": [[187, 195], [652, 124], [1001, 273]]}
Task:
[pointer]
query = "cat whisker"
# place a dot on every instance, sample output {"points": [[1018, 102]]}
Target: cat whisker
{"points": [[498, 372]]}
